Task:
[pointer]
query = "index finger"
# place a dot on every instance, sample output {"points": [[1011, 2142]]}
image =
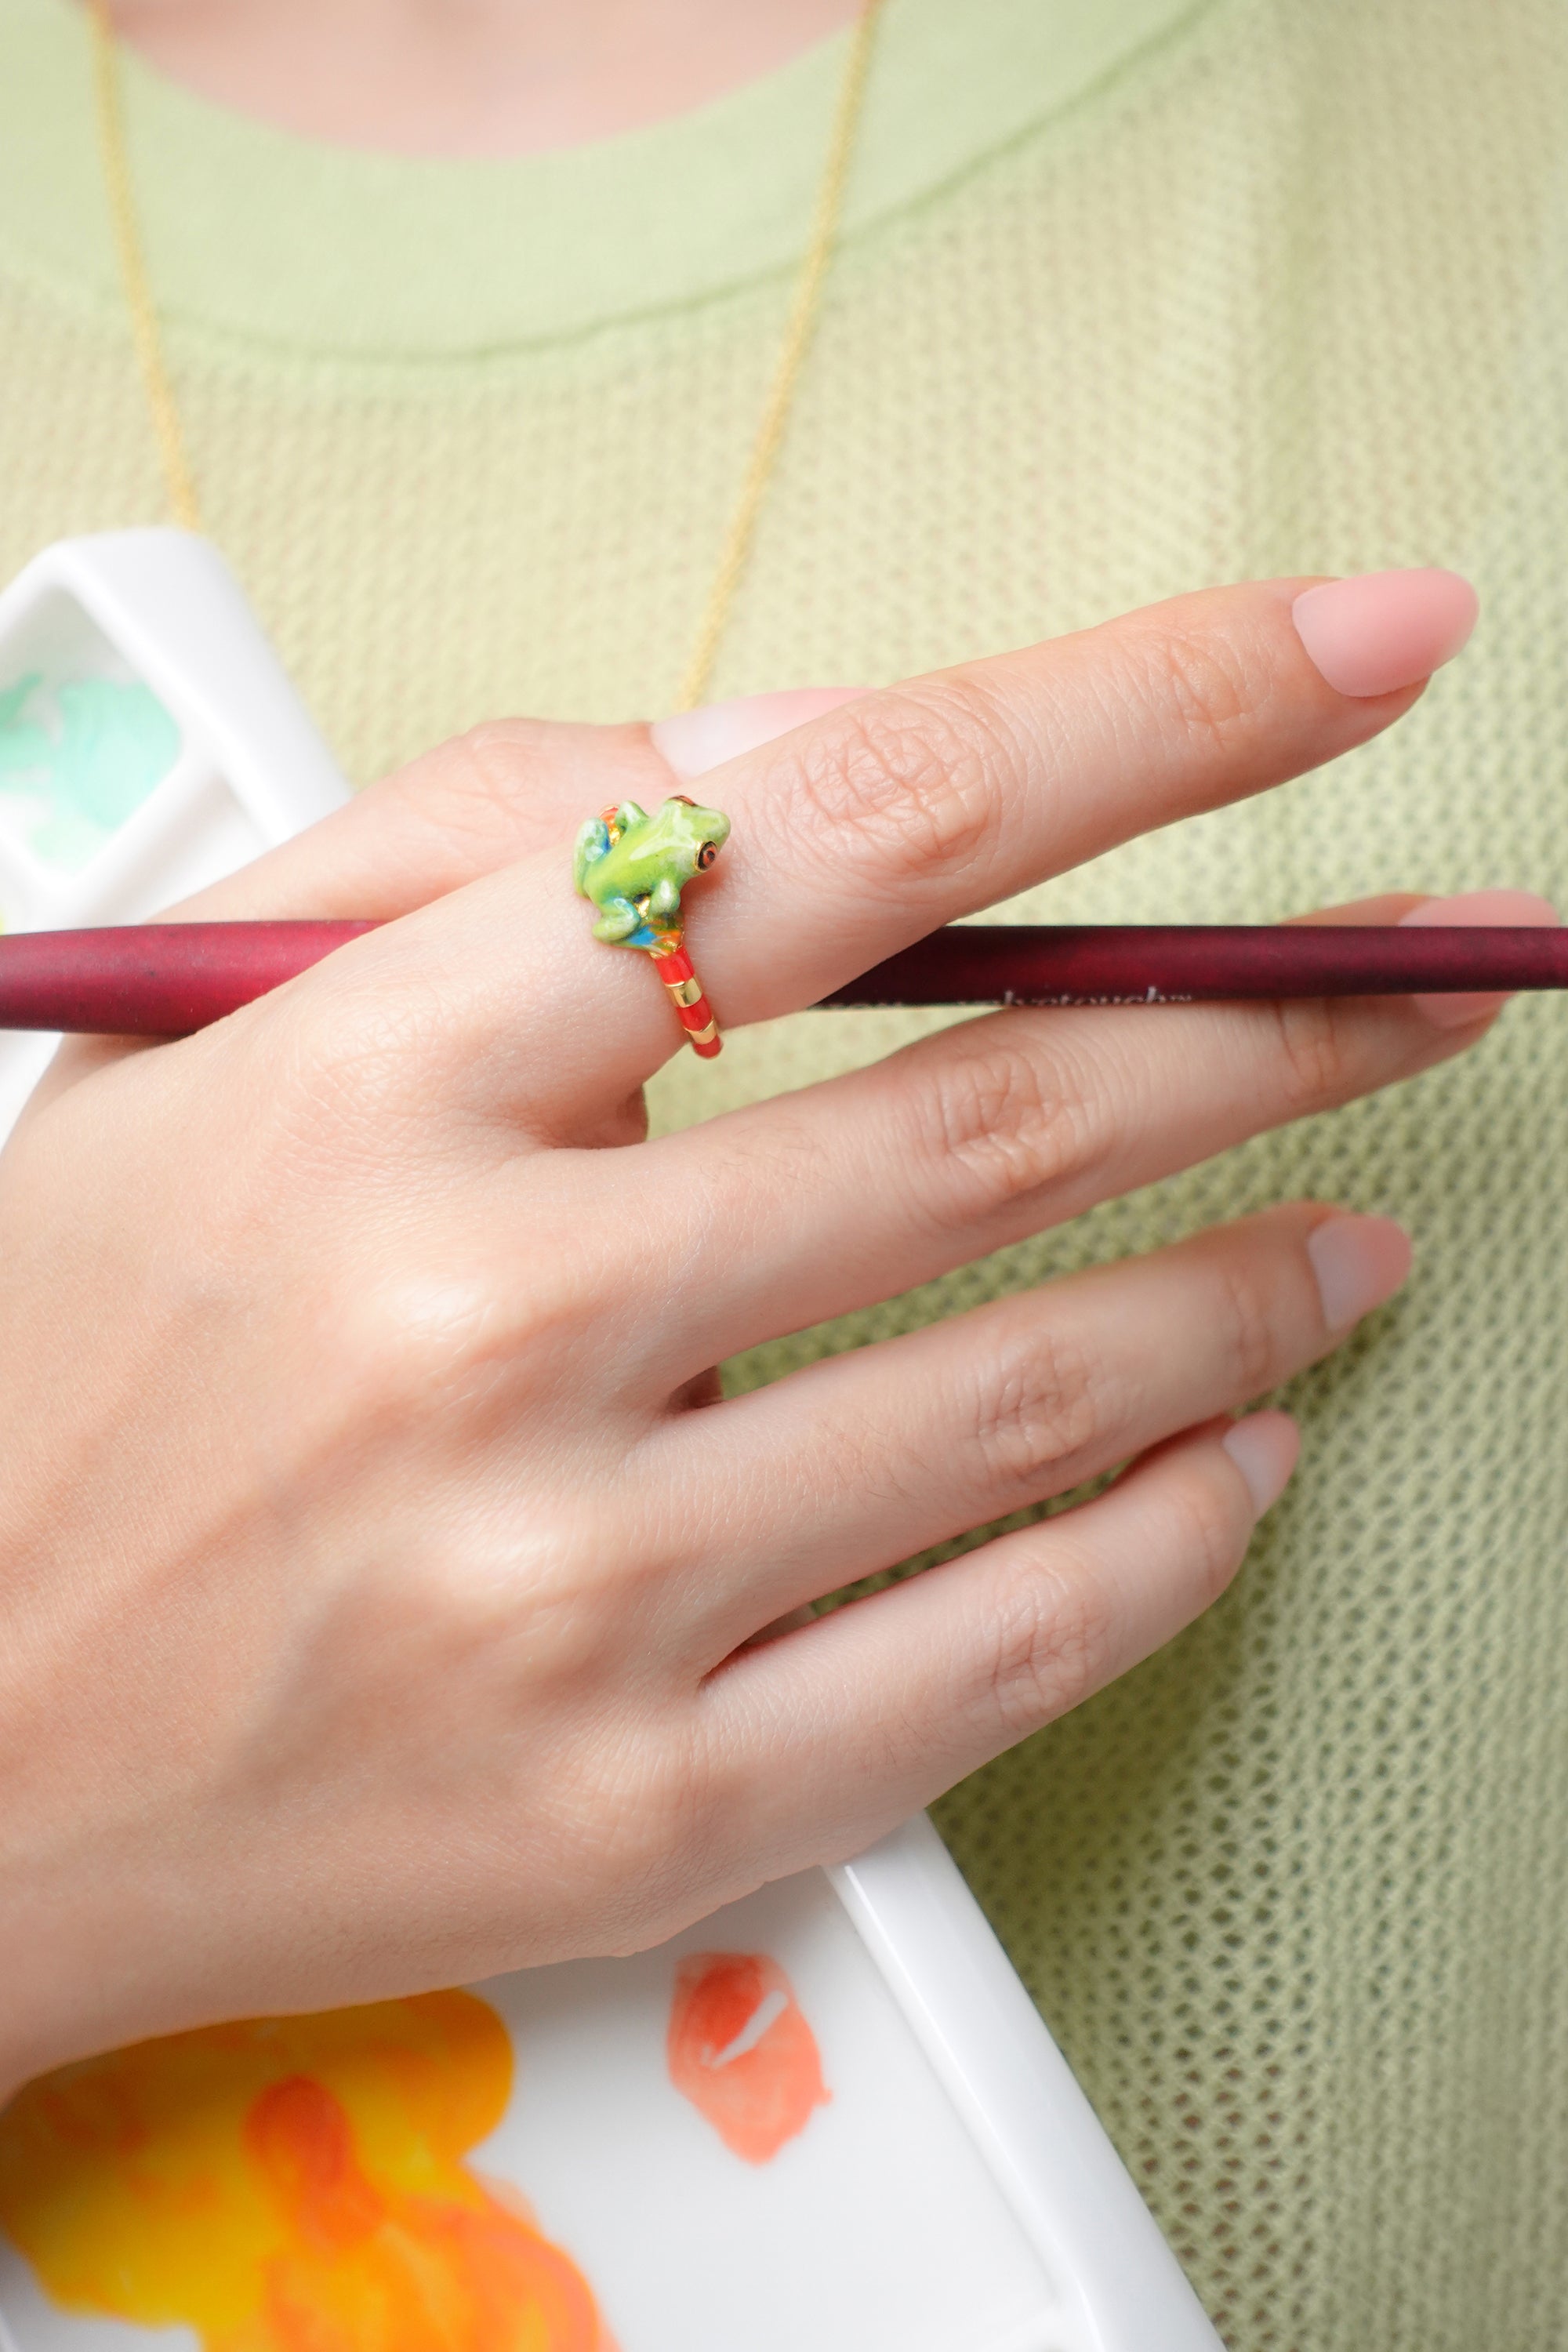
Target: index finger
{"points": [[861, 832], [937, 798]]}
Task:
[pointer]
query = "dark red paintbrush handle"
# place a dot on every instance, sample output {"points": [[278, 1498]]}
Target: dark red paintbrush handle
{"points": [[1153, 963], [168, 979], [160, 979]]}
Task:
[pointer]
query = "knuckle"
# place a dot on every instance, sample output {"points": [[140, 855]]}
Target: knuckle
{"points": [[355, 1054], [1245, 1311], [1002, 1125], [686, 1788], [1315, 1052], [1050, 1635], [498, 766], [1210, 1538], [470, 803], [1047, 1404], [910, 779], [441, 1328], [1199, 682], [397, 1340], [661, 1801]]}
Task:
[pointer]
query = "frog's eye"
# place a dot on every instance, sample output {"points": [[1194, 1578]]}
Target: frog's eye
{"points": [[706, 855], [684, 798]]}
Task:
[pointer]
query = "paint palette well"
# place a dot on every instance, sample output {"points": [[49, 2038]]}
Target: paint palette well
{"points": [[79, 753], [828, 2240], [150, 743]]}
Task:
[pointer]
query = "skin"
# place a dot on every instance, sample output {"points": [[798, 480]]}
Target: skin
{"points": [[470, 77], [382, 1604]]}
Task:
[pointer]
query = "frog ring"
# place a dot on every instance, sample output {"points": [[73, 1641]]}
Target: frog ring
{"points": [[634, 867]]}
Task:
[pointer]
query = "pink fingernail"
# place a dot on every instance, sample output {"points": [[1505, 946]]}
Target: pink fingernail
{"points": [[695, 741], [1264, 1448], [1384, 629], [1473, 907], [1359, 1261]]}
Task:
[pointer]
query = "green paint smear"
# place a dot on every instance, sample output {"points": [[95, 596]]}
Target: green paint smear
{"points": [[76, 781]]}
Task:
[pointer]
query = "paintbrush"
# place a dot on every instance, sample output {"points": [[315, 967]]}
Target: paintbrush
{"points": [[165, 980]]}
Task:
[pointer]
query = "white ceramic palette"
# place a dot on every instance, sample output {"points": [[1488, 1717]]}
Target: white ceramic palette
{"points": [[942, 2184]]}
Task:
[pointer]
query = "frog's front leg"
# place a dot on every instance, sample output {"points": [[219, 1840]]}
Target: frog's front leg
{"points": [[591, 844], [664, 899], [618, 920]]}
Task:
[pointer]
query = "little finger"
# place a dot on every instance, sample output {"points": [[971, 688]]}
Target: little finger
{"points": [[847, 1724], [853, 1463]]}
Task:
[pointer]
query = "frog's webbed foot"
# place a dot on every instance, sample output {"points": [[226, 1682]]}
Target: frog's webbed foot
{"points": [[618, 921], [664, 899], [593, 841]]}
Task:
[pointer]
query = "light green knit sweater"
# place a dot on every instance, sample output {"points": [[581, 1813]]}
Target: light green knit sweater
{"points": [[1137, 294]]}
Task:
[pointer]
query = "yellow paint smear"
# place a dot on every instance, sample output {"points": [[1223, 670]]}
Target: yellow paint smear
{"points": [[292, 2185]]}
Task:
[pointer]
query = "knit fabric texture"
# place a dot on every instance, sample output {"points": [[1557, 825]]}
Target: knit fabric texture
{"points": [[1133, 298]]}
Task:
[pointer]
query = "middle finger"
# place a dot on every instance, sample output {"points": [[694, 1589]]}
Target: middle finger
{"points": [[818, 1203]]}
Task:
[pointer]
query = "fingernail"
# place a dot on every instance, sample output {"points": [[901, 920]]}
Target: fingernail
{"points": [[1358, 1262], [1472, 907], [695, 741], [1384, 629], [1264, 1448]]}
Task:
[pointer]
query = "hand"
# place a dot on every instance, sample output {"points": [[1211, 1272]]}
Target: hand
{"points": [[381, 1581]]}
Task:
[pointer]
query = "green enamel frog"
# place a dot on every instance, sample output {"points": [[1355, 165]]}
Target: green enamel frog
{"points": [[634, 866]]}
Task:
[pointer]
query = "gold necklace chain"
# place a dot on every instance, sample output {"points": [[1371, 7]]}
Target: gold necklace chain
{"points": [[115, 159], [179, 483]]}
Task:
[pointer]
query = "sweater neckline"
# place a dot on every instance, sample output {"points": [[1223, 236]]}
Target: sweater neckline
{"points": [[257, 236]]}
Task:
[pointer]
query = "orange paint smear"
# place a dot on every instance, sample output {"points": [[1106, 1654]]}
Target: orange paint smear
{"points": [[742, 2052], [292, 2185]]}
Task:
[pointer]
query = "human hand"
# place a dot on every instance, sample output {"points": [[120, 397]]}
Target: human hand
{"points": [[381, 1581]]}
